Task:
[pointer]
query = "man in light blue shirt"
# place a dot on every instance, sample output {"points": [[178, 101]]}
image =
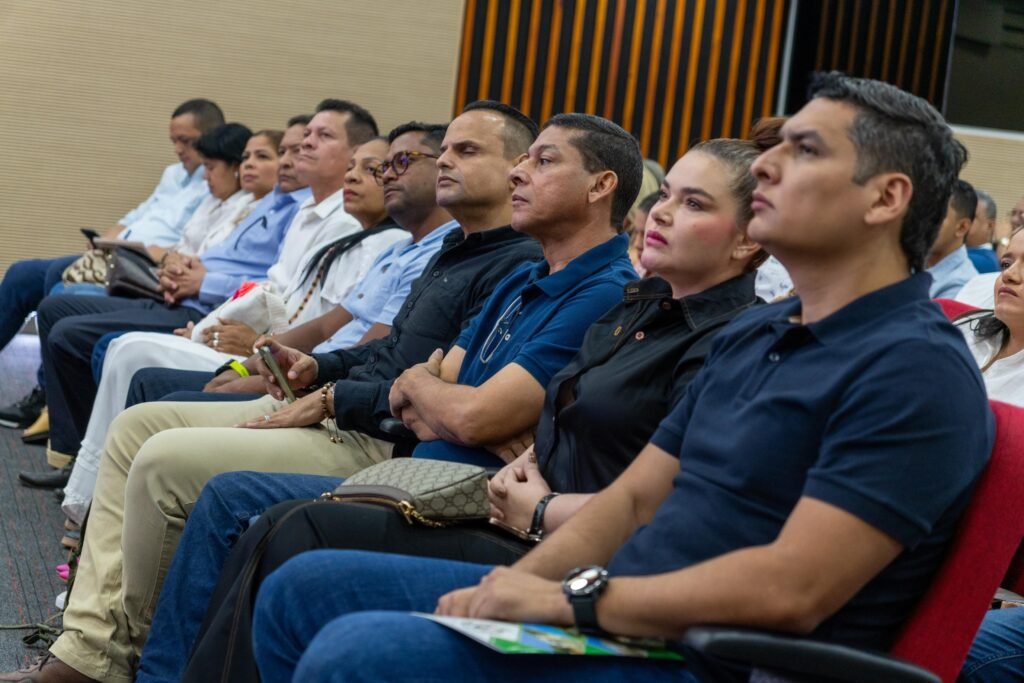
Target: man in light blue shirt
{"points": [[948, 262], [159, 220]]}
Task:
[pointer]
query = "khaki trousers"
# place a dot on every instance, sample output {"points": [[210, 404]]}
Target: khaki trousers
{"points": [[158, 458]]}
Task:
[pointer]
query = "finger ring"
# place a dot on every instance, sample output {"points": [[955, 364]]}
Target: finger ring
{"points": [[216, 342], [216, 337], [266, 418]]}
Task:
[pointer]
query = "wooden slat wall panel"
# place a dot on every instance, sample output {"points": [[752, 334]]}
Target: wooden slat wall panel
{"points": [[669, 71], [905, 42], [88, 88]]}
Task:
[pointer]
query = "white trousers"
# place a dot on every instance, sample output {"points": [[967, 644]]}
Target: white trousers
{"points": [[126, 355]]}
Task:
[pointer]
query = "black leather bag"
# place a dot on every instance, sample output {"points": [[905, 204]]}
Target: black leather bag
{"points": [[132, 274]]}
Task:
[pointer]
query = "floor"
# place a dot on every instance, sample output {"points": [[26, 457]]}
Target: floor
{"points": [[30, 519]]}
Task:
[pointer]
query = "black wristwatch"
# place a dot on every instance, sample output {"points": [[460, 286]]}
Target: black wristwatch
{"points": [[582, 586]]}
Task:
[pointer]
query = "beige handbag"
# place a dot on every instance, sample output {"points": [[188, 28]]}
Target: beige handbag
{"points": [[90, 268], [434, 493]]}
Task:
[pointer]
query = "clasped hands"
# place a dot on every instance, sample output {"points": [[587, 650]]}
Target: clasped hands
{"points": [[400, 397], [181, 276]]}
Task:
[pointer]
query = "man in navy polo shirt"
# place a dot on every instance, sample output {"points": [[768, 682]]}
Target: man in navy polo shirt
{"points": [[809, 481]]}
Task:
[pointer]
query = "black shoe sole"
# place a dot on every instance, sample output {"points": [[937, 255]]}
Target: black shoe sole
{"points": [[29, 482], [39, 439]]}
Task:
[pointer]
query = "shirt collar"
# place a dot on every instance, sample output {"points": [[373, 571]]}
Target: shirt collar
{"points": [[298, 196], [441, 233], [195, 176], [715, 301], [858, 313], [949, 265], [581, 267], [329, 205]]}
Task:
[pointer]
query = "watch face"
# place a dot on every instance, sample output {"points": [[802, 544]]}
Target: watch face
{"points": [[586, 580]]}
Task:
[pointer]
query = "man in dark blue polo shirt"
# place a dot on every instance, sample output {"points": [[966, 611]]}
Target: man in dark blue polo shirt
{"points": [[809, 481]]}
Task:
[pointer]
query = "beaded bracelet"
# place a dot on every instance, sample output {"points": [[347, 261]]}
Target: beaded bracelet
{"points": [[332, 427]]}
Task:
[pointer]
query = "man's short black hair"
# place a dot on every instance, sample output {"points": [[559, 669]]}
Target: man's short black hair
{"points": [[990, 204], [226, 143], [964, 200], [895, 131], [360, 125], [206, 115], [300, 120], [433, 133], [606, 146], [520, 130]]}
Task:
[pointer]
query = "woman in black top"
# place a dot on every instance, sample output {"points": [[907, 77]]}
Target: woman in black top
{"points": [[599, 411]]}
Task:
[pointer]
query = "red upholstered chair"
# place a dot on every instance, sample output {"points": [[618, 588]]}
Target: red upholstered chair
{"points": [[954, 309], [939, 633]]}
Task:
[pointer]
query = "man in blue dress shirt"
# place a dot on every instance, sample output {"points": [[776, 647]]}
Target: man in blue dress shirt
{"points": [[809, 481], [158, 220]]}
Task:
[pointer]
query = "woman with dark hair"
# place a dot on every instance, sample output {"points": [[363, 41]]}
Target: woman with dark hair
{"points": [[996, 337], [599, 411], [221, 152]]}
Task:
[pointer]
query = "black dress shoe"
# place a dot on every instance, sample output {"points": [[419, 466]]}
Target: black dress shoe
{"points": [[54, 479], [24, 412]]}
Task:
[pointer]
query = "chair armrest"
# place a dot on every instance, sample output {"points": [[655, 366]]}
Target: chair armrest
{"points": [[800, 657], [395, 428]]}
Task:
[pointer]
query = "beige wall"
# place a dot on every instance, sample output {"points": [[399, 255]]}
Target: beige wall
{"points": [[996, 164], [87, 88]]}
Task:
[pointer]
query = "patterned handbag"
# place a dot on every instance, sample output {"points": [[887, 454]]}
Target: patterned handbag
{"points": [[434, 493]]}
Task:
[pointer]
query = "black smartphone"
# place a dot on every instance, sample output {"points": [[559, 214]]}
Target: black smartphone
{"points": [[275, 370], [90, 235]]}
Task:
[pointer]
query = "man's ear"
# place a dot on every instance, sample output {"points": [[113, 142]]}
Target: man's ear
{"points": [[963, 226], [892, 193], [604, 185]]}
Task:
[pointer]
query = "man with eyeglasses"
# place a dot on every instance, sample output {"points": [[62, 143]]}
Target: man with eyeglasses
{"points": [[158, 220]]}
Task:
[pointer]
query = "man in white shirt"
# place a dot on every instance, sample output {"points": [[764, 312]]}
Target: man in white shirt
{"points": [[158, 220], [70, 326]]}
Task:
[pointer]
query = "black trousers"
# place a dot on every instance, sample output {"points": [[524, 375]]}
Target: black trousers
{"points": [[223, 649], [69, 327]]}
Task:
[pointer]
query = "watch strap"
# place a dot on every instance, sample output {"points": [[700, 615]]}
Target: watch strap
{"points": [[584, 611], [537, 523]]}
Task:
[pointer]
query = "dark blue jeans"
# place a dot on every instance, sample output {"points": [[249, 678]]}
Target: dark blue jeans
{"points": [[166, 384], [24, 285], [225, 508], [342, 615], [997, 654]]}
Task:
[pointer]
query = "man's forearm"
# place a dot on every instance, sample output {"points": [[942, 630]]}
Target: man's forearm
{"points": [[443, 407]]}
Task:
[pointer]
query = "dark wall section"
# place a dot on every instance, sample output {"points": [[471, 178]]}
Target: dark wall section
{"points": [[905, 42], [670, 71]]}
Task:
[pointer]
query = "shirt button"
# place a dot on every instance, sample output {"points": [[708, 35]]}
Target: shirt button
{"points": [[436, 273], [665, 306], [408, 304], [359, 296], [774, 357], [372, 358], [507, 337], [639, 335], [394, 337]]}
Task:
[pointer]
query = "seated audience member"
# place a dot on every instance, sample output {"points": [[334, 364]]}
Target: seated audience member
{"points": [[115, 594], [70, 326], [996, 337], [981, 235], [638, 223], [948, 263], [809, 481], [656, 338], [158, 220], [357, 307], [220, 152]]}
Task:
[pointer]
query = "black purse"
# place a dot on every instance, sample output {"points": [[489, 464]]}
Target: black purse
{"points": [[132, 274]]}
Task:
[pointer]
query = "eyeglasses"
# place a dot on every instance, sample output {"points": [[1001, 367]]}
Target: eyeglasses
{"points": [[399, 164]]}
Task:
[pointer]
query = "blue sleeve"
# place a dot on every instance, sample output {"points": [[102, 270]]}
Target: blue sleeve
{"points": [[410, 274], [899, 448], [164, 221], [553, 347]]}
